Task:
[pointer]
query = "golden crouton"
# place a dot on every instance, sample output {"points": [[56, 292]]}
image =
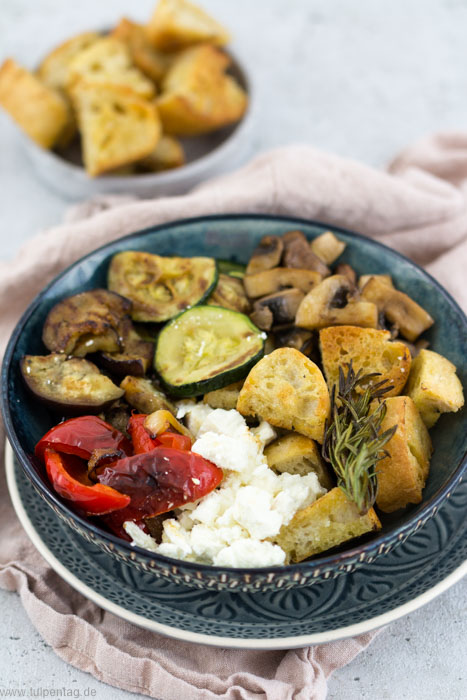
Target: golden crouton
{"points": [[53, 70], [225, 398], [198, 96], [117, 126], [434, 386], [167, 154], [288, 390], [369, 350], [297, 454], [332, 303], [408, 316], [177, 24], [40, 111], [402, 475], [324, 524], [327, 247], [149, 60], [107, 62]]}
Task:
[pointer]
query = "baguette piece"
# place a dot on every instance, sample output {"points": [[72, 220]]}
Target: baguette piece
{"points": [[117, 126], [107, 62], [167, 154], [434, 386], [297, 454], [369, 350], [287, 390], [225, 398], [324, 524], [54, 68], [176, 24], [40, 111], [145, 56], [197, 95], [402, 475]]}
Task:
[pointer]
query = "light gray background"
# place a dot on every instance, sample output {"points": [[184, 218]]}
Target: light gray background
{"points": [[361, 79]]}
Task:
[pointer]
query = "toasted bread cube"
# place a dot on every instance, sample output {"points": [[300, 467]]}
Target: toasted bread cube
{"points": [[225, 398], [40, 111], [197, 94], [148, 59], [297, 454], [328, 304], [107, 62], [117, 126], [326, 523], [409, 317], [327, 247], [54, 68], [288, 390], [176, 24], [369, 350], [402, 475], [434, 386], [167, 154]]}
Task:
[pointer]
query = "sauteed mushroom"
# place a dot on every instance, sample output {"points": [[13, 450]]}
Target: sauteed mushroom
{"points": [[327, 247], [297, 253], [270, 281], [266, 255], [282, 305]]}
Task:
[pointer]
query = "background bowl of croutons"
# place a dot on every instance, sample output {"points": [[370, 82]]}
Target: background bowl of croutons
{"points": [[145, 109], [348, 281]]}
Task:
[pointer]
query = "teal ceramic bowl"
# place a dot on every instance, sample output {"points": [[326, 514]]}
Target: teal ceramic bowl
{"points": [[234, 237]]}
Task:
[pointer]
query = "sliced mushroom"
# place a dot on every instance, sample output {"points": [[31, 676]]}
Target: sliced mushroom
{"points": [[297, 253], [331, 303], [282, 305], [327, 247], [363, 279], [347, 271], [293, 337], [144, 395], [86, 322], [270, 281], [262, 317], [71, 385], [230, 294], [400, 309], [266, 255], [136, 358]]}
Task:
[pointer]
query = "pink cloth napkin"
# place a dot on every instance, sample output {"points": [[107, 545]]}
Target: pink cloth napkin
{"points": [[418, 207]]}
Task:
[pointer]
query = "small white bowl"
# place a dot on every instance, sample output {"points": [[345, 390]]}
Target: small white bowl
{"points": [[207, 156]]}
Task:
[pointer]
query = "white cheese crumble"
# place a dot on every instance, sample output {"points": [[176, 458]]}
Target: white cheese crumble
{"points": [[231, 525]]}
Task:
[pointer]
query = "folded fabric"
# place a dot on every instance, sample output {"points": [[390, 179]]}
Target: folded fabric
{"points": [[418, 207]]}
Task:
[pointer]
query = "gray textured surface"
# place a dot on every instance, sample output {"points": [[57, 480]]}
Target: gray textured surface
{"points": [[361, 79]]}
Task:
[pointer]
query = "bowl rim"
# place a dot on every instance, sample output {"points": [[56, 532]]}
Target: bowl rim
{"points": [[375, 546], [173, 175]]}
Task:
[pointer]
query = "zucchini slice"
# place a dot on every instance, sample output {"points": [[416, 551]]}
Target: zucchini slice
{"points": [[233, 269], [161, 287], [206, 348]]}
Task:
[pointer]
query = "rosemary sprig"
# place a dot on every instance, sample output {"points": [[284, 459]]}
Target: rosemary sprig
{"points": [[353, 442]]}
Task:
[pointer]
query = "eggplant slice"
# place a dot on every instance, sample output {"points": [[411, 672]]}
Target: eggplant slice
{"points": [[70, 385], [136, 358], [161, 287], [145, 396], [86, 323]]}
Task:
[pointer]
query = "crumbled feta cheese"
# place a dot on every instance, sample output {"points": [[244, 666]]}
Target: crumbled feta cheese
{"points": [[264, 432], [140, 538], [195, 414], [250, 553]]}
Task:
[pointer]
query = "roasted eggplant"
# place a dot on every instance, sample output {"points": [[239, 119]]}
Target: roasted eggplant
{"points": [[298, 253], [144, 395], [136, 356], [230, 294], [71, 385], [161, 287], [266, 255], [86, 323]]}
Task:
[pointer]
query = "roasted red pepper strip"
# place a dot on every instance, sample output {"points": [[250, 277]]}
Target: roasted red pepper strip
{"points": [[64, 472], [81, 436], [159, 481], [181, 442], [142, 441]]}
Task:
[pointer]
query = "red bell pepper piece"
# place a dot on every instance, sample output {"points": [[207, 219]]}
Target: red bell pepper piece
{"points": [[159, 481], [81, 436], [142, 441], [180, 442], [68, 476]]}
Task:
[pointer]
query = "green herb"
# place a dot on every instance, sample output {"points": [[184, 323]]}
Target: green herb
{"points": [[353, 442]]}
